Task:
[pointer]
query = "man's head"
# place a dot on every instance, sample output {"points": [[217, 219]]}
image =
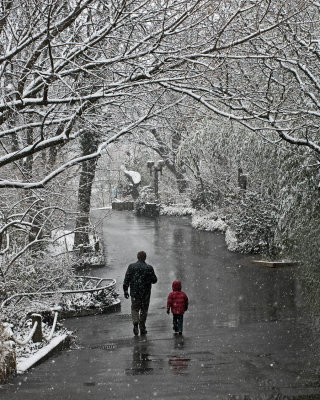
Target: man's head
{"points": [[141, 256]]}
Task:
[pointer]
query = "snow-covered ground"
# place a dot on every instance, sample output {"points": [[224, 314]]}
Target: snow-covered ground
{"points": [[28, 360], [29, 349]]}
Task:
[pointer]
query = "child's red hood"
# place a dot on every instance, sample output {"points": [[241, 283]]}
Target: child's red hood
{"points": [[176, 285]]}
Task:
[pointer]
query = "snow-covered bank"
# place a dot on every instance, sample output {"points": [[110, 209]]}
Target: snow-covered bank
{"points": [[177, 210], [210, 221]]}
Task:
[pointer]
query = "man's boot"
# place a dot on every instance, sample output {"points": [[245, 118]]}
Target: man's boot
{"points": [[135, 329]]}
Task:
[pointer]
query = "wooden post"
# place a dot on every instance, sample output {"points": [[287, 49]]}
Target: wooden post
{"points": [[242, 179], [67, 251], [37, 336], [156, 182]]}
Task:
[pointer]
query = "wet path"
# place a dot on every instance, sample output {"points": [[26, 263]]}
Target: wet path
{"points": [[245, 335]]}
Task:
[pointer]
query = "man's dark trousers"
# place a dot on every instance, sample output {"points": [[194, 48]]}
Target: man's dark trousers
{"points": [[139, 311]]}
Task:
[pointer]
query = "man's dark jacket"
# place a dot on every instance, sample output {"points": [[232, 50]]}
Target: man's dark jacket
{"points": [[139, 277]]}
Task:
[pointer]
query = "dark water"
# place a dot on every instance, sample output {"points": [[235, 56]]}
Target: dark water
{"points": [[247, 333]]}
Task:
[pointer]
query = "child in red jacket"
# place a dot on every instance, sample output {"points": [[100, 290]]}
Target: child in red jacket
{"points": [[178, 302]]}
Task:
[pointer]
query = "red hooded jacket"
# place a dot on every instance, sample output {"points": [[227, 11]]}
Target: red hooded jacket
{"points": [[177, 300]]}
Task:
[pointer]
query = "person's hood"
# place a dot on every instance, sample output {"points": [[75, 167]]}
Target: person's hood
{"points": [[176, 285]]}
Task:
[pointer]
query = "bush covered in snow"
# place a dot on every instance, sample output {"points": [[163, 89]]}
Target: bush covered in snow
{"points": [[253, 223], [98, 300], [299, 225], [177, 210], [209, 222], [7, 356], [36, 274], [59, 277], [146, 196], [204, 196], [272, 210]]}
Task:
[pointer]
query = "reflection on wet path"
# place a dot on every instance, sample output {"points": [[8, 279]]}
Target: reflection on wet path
{"points": [[141, 363], [178, 362], [246, 335]]}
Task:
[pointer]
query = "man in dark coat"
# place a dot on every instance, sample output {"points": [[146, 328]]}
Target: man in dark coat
{"points": [[139, 277]]}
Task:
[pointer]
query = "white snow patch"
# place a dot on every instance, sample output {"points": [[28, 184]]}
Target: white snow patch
{"points": [[231, 240], [134, 175], [177, 210], [102, 208], [23, 363], [209, 222], [63, 240]]}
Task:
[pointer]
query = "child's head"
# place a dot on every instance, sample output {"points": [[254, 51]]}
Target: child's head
{"points": [[176, 285]]}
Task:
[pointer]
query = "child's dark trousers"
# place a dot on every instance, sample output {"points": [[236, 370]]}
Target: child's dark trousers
{"points": [[177, 322]]}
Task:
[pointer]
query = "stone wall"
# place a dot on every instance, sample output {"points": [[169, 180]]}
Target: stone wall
{"points": [[123, 205]]}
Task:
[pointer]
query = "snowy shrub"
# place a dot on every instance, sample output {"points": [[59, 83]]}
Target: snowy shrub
{"points": [[146, 196], [253, 221], [209, 222], [86, 300], [177, 210], [38, 273], [231, 241], [299, 226], [204, 196], [31, 274], [7, 356]]}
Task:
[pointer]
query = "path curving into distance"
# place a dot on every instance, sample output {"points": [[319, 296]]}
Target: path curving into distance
{"points": [[246, 333]]}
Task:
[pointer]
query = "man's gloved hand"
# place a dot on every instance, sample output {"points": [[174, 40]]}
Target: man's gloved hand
{"points": [[126, 295], [168, 311]]}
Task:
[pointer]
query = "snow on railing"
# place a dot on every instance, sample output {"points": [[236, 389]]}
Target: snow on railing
{"points": [[29, 337], [49, 337], [36, 330], [98, 286], [109, 288]]}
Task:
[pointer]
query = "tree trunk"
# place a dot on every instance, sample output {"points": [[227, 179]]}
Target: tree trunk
{"points": [[169, 157], [89, 144]]}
